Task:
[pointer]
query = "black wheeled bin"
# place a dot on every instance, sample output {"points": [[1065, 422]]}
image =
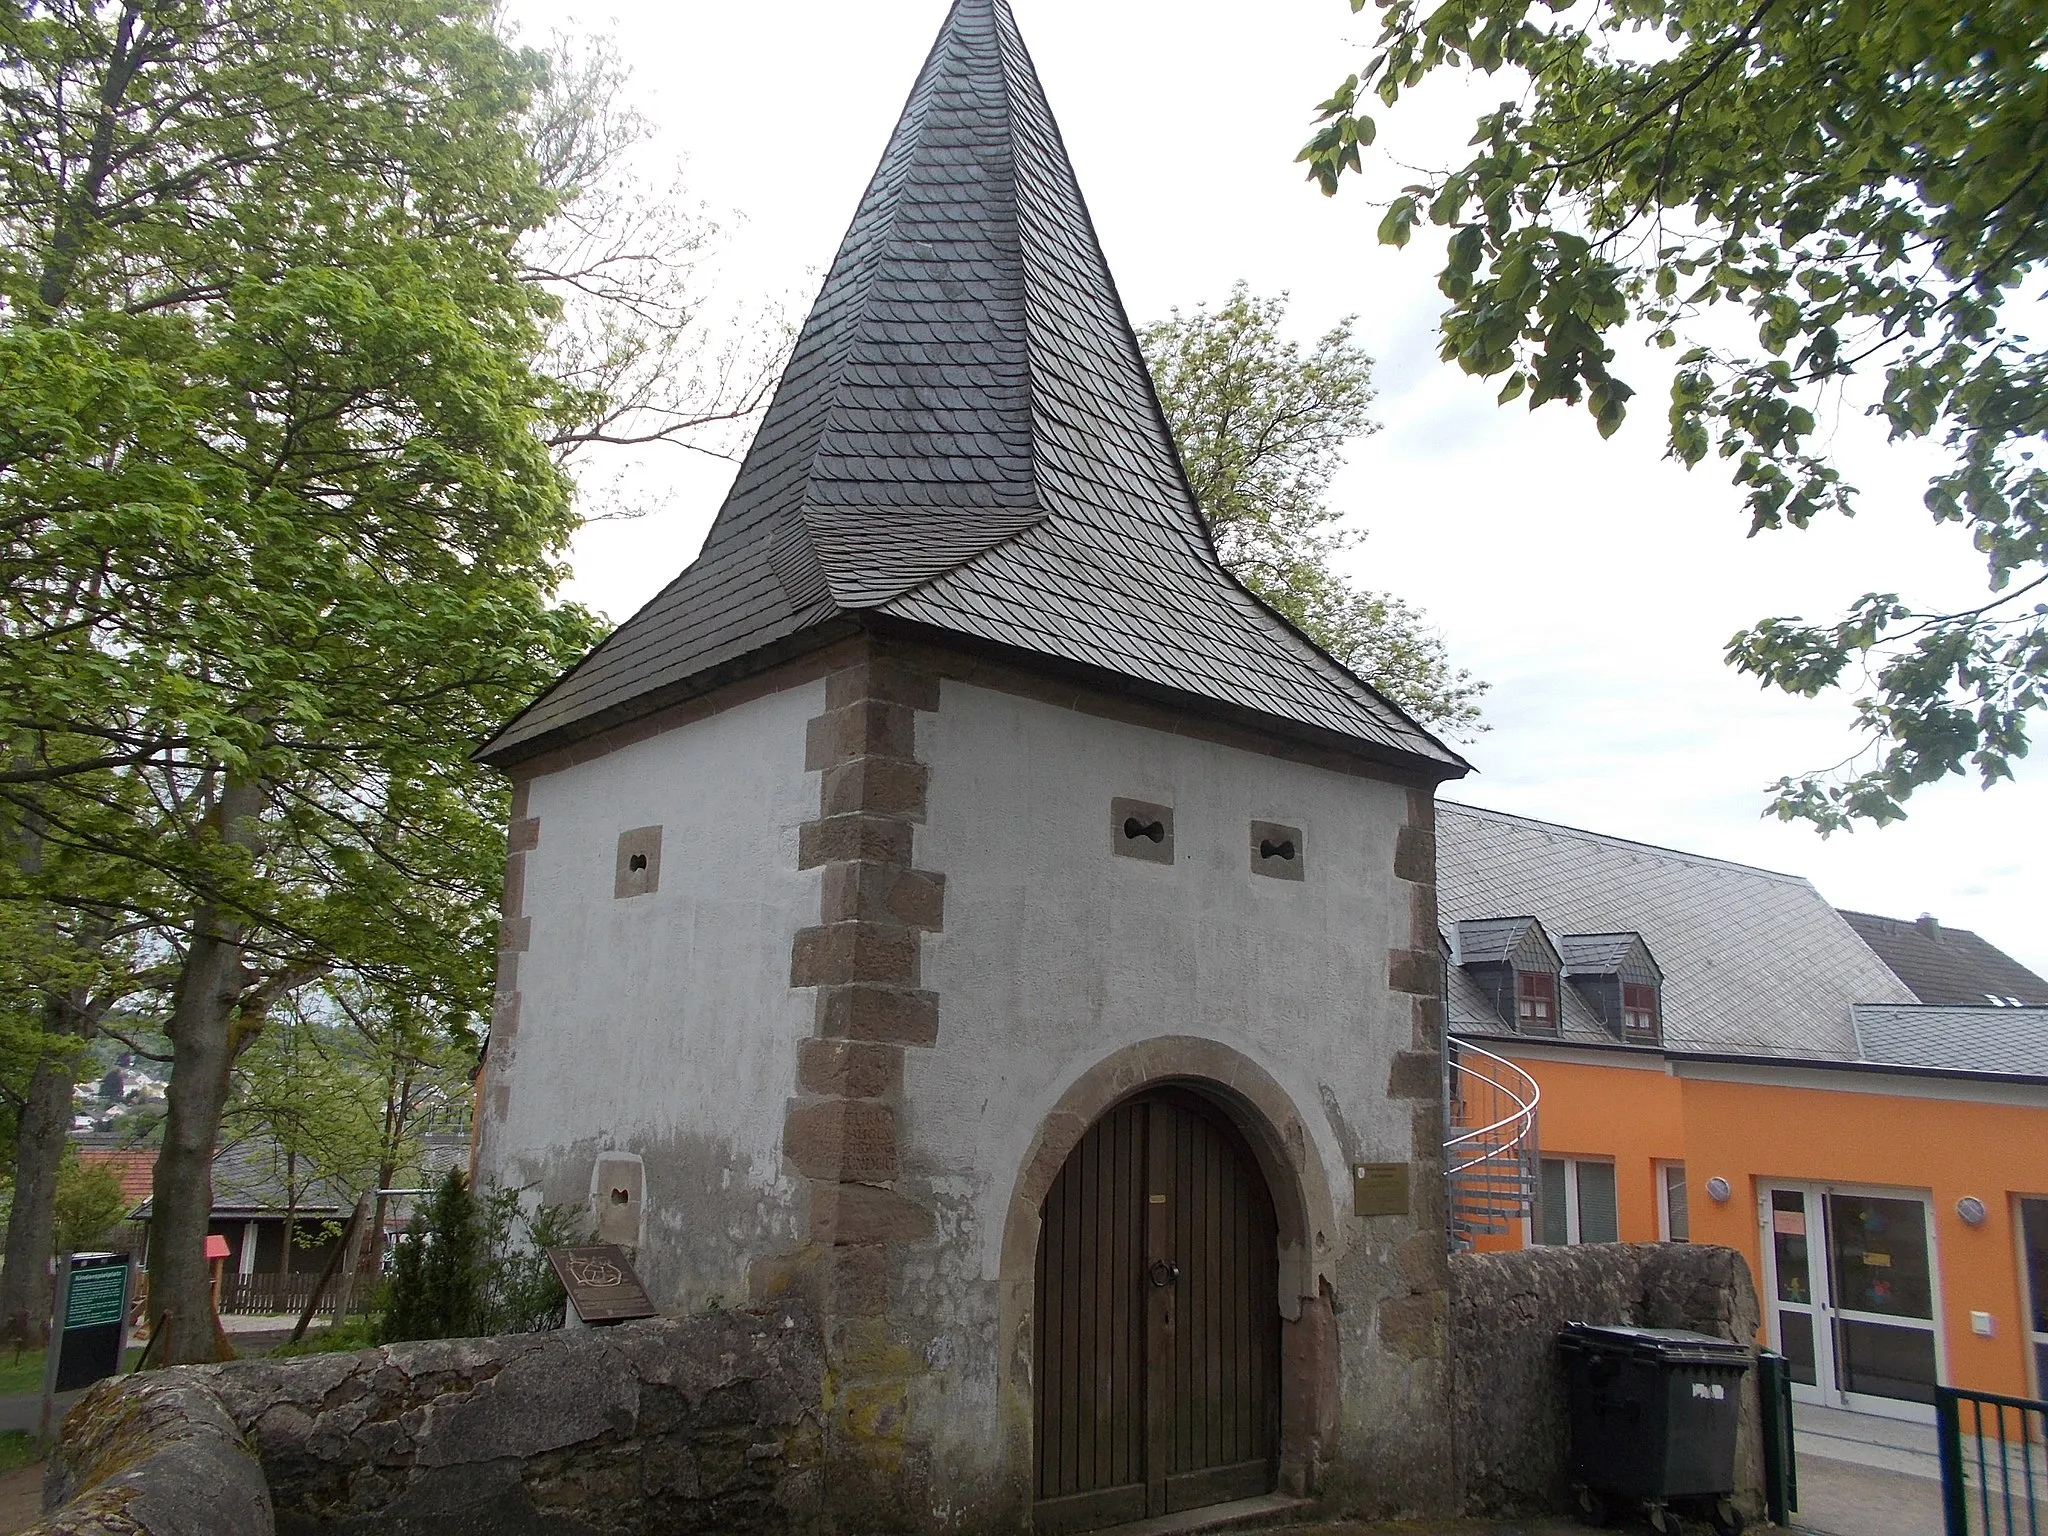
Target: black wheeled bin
{"points": [[1653, 1411]]}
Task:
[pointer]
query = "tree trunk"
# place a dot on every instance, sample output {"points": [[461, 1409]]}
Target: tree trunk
{"points": [[38, 1150], [291, 1217], [203, 1012]]}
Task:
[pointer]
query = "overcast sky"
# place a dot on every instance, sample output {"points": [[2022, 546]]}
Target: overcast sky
{"points": [[1593, 584]]}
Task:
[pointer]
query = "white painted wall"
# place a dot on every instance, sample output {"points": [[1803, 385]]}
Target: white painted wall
{"points": [[1056, 954], [664, 1024]]}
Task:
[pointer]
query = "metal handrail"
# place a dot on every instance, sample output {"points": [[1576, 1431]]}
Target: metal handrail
{"points": [[1500, 1137]]}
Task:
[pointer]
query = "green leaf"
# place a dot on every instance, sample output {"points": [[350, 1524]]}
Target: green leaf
{"points": [[1399, 222]]}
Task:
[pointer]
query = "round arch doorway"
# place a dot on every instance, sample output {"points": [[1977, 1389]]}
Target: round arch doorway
{"points": [[1156, 1321]]}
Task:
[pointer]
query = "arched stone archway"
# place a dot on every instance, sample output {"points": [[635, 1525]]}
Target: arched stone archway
{"points": [[1309, 1237]]}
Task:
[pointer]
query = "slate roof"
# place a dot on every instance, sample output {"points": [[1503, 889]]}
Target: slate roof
{"points": [[249, 1180], [967, 439], [1489, 940], [1754, 962], [1947, 965], [1983, 1039], [1597, 954]]}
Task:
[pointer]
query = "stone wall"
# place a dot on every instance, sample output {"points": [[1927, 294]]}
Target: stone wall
{"points": [[1507, 1310], [708, 1423], [157, 1454], [711, 1423]]}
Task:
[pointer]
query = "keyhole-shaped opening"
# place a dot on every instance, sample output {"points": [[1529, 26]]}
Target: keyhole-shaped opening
{"points": [[1135, 829], [1268, 849], [621, 1197], [636, 862]]}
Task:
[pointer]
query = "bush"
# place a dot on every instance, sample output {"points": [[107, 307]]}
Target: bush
{"points": [[463, 1268], [523, 1294]]}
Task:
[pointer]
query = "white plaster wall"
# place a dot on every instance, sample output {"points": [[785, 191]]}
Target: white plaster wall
{"points": [[665, 1024], [1056, 953]]}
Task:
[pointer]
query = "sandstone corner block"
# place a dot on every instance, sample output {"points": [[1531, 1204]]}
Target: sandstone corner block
{"points": [[1417, 971]]}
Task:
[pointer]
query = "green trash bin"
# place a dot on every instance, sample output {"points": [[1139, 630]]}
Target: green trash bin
{"points": [[1653, 1418]]}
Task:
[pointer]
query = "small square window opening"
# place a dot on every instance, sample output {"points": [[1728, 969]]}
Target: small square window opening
{"points": [[1277, 851], [638, 870], [1141, 829]]}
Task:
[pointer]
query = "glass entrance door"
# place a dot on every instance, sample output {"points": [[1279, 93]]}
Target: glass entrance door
{"points": [[1850, 1275]]}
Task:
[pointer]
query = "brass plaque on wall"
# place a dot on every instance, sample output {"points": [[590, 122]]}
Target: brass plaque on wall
{"points": [[1379, 1189], [601, 1284]]}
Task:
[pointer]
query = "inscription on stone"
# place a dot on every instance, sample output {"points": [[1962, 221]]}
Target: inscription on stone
{"points": [[601, 1284]]}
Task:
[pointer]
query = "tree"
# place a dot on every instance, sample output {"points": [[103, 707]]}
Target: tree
{"points": [[62, 972], [440, 1271], [1868, 182], [88, 1203], [464, 1267], [281, 523], [1262, 429]]}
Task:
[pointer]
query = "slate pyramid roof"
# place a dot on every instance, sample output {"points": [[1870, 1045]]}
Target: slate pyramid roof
{"points": [[966, 440]]}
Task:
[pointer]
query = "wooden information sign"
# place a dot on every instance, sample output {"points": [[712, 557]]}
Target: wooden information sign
{"points": [[601, 1284]]}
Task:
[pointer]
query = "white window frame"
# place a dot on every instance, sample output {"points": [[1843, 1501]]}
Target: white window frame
{"points": [[1828, 1391], [1661, 1171], [1573, 1237], [2037, 1342]]}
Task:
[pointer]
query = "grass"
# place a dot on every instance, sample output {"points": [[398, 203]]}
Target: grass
{"points": [[23, 1372], [18, 1449], [355, 1333]]}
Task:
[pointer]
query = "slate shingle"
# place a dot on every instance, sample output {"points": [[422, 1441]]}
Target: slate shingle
{"points": [[1944, 965], [1754, 962], [966, 438], [1959, 1039]]}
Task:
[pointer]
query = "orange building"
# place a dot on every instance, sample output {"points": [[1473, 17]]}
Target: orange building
{"points": [[1723, 1058]]}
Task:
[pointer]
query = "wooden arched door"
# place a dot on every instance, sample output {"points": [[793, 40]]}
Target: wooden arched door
{"points": [[1157, 1325]]}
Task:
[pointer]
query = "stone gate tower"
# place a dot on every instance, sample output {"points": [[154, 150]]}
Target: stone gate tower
{"points": [[957, 898]]}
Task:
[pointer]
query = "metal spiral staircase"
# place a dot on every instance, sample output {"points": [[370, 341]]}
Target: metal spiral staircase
{"points": [[1490, 1156]]}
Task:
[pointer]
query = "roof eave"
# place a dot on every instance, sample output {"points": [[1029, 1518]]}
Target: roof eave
{"points": [[1106, 680], [1677, 1056], [848, 623], [778, 652]]}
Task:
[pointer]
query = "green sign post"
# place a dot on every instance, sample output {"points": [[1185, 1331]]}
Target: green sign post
{"points": [[98, 1296], [87, 1327]]}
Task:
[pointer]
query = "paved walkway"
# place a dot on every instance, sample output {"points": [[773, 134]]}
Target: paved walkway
{"points": [[21, 1498], [1846, 1498], [1863, 1475], [1866, 1440]]}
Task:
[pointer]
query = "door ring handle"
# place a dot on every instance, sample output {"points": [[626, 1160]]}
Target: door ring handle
{"points": [[1164, 1272]]}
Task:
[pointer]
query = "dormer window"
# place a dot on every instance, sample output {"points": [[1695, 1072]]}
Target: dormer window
{"points": [[1616, 977], [1535, 1002], [1639, 1011], [1513, 962]]}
